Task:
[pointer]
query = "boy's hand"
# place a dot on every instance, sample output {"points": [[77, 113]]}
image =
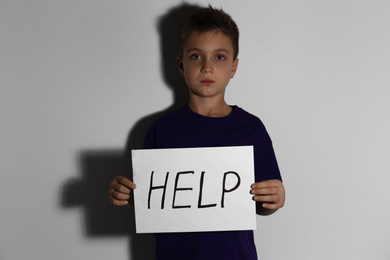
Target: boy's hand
{"points": [[120, 191], [269, 193]]}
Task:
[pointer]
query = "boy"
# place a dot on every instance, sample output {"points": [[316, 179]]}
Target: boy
{"points": [[208, 60]]}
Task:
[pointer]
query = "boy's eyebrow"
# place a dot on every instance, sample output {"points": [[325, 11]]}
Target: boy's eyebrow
{"points": [[222, 50], [199, 50], [193, 49]]}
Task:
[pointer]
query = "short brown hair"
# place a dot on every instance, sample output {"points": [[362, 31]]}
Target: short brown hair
{"points": [[209, 19]]}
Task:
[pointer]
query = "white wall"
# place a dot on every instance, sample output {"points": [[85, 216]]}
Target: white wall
{"points": [[80, 81]]}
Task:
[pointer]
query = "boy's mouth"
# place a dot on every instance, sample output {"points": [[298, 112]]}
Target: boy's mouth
{"points": [[207, 81]]}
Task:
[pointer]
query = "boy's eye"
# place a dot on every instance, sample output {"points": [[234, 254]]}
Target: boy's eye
{"points": [[195, 56], [220, 57]]}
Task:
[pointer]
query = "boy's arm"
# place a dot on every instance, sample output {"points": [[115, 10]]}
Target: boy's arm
{"points": [[269, 196]]}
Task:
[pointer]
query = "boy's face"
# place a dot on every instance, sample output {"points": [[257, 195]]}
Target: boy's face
{"points": [[207, 63]]}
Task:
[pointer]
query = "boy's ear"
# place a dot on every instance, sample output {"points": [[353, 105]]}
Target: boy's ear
{"points": [[235, 65], [179, 62]]}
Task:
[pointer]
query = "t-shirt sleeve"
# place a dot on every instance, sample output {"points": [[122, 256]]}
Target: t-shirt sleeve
{"points": [[266, 166]]}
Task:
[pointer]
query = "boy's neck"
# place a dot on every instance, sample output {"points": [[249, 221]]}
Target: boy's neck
{"points": [[210, 109]]}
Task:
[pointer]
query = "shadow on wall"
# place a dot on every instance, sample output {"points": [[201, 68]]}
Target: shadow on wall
{"points": [[99, 167]]}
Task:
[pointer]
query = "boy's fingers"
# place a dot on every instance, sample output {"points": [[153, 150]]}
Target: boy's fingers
{"points": [[120, 191], [118, 195], [125, 181], [270, 193], [116, 202], [272, 205], [266, 184], [263, 191], [267, 198], [120, 188], [270, 202]]}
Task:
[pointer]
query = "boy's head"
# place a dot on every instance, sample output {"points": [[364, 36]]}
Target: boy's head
{"points": [[209, 19]]}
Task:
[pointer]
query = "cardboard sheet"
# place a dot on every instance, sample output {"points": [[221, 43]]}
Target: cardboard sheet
{"points": [[194, 189]]}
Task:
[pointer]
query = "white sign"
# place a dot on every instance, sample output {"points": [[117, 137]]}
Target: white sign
{"points": [[194, 189]]}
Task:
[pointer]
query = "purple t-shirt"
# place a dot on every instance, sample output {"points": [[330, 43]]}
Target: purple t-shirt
{"points": [[184, 129]]}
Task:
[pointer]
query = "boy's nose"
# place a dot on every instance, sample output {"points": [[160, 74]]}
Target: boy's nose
{"points": [[206, 67]]}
